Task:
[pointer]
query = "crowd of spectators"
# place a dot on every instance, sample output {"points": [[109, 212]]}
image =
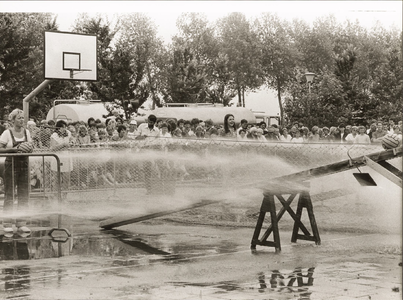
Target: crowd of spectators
{"points": [[117, 129]]}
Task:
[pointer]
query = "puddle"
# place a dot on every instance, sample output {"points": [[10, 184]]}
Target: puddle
{"points": [[46, 241], [296, 282], [107, 251], [307, 283], [17, 280]]}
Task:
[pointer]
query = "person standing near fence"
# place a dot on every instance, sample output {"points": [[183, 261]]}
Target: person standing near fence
{"points": [[229, 126], [59, 141], [133, 132], [342, 133], [147, 131], [362, 137], [379, 133], [243, 126], [16, 139]]}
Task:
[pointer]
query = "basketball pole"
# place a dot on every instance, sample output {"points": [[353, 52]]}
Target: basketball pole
{"points": [[27, 99]]}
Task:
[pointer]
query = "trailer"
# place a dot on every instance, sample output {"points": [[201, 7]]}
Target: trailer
{"points": [[74, 110], [206, 111]]}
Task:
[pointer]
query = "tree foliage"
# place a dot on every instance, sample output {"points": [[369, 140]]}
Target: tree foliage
{"points": [[105, 31], [278, 54], [239, 43], [138, 43], [21, 53], [194, 51], [358, 70]]}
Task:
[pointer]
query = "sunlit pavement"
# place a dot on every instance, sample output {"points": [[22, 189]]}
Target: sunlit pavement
{"points": [[158, 259]]}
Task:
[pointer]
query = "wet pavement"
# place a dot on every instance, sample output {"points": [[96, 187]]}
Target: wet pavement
{"points": [[205, 253], [158, 259]]}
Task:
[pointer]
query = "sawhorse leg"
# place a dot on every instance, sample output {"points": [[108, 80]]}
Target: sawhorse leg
{"points": [[267, 206], [305, 202]]}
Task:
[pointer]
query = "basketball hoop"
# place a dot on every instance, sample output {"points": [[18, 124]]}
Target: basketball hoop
{"points": [[78, 71]]}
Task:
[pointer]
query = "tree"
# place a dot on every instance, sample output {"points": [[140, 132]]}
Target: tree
{"points": [[194, 51], [361, 73], [239, 45], [105, 31], [387, 90], [188, 76], [314, 45], [21, 56], [278, 55], [322, 106], [138, 44]]}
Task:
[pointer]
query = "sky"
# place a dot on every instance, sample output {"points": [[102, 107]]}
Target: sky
{"points": [[165, 13]]}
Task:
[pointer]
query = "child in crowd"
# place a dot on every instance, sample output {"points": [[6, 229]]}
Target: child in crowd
{"points": [[242, 135]]}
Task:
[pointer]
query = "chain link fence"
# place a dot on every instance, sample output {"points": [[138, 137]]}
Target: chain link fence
{"points": [[137, 174], [159, 166]]}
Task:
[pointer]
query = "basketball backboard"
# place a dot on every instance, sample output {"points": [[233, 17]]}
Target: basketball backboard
{"points": [[70, 56]]}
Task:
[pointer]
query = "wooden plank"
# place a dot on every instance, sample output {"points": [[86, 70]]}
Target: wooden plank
{"points": [[306, 237], [343, 165], [267, 243], [383, 171], [129, 219], [391, 168]]}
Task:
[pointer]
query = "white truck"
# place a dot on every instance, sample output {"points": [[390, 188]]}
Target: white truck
{"points": [[72, 111], [205, 111]]}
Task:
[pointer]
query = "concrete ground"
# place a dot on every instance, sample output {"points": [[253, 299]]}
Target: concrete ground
{"points": [[205, 253], [163, 260]]}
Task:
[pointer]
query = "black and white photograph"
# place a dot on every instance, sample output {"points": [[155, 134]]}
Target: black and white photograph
{"points": [[201, 150]]}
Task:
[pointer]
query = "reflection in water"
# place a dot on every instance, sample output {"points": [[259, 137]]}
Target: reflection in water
{"points": [[138, 243], [296, 282], [262, 282], [277, 285], [119, 245], [38, 245], [14, 249], [16, 279]]}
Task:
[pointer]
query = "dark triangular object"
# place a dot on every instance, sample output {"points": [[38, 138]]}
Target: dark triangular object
{"points": [[365, 179]]}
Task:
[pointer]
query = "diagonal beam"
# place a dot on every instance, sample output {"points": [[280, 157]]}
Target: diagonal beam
{"points": [[280, 214], [132, 218], [341, 166], [383, 171], [293, 215]]}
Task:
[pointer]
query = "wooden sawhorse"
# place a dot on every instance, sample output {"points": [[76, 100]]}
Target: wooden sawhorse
{"points": [[268, 206]]}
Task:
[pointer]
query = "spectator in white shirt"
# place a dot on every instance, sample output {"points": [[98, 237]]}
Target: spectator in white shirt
{"points": [[149, 129], [362, 137], [352, 135]]}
